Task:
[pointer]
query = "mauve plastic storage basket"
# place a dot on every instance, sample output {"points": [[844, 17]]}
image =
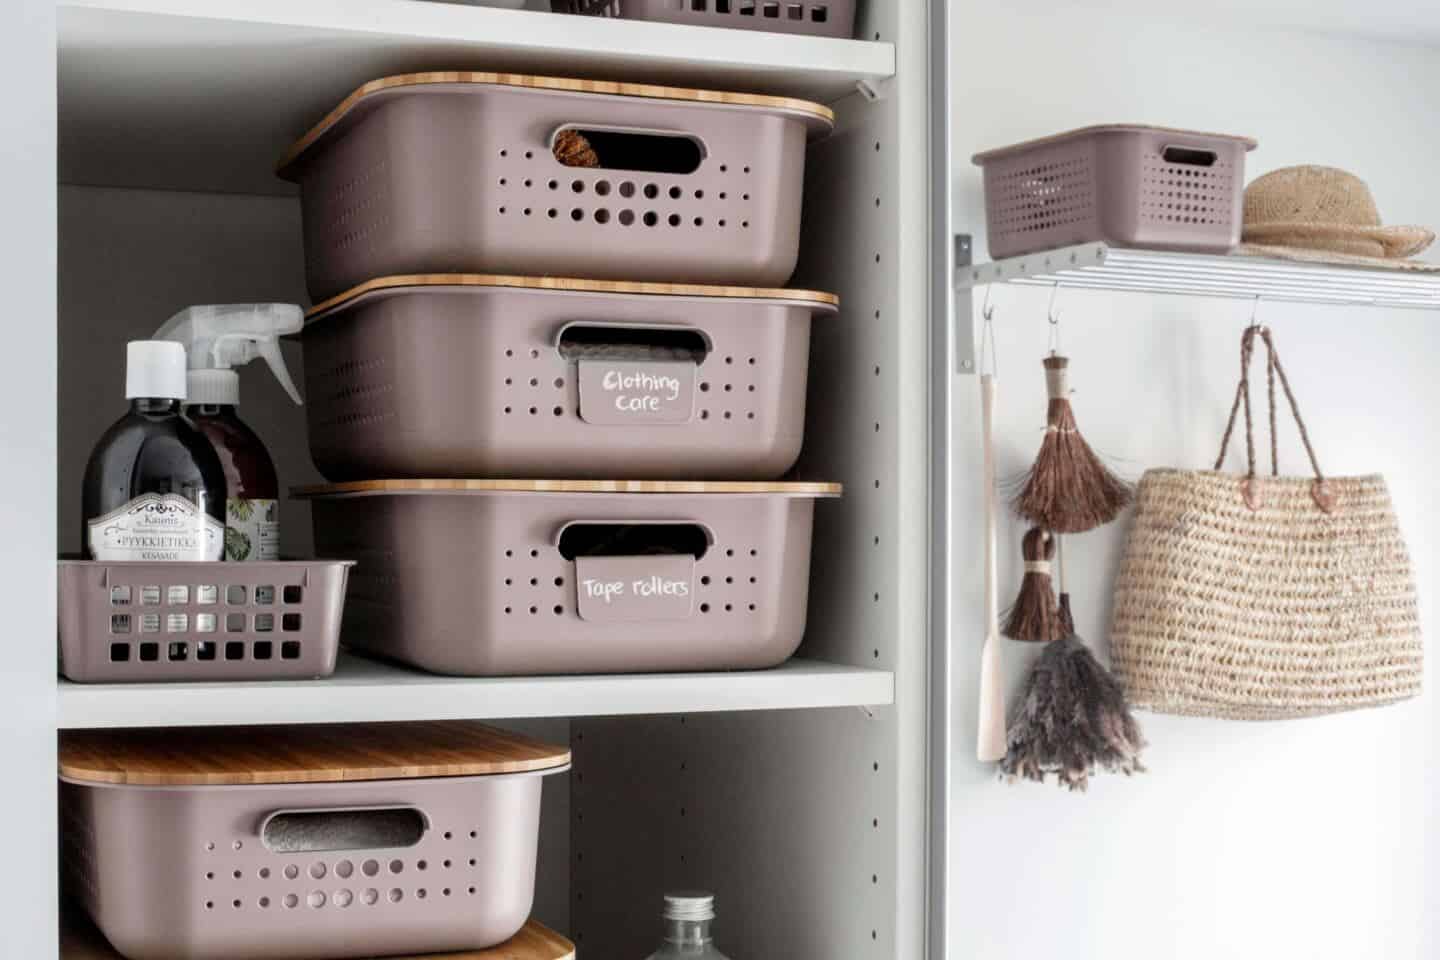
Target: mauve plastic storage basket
{"points": [[473, 376], [490, 577], [303, 843], [1130, 186], [137, 621], [454, 172], [821, 18]]}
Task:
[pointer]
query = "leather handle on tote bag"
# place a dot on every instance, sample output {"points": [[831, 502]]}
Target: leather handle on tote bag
{"points": [[1319, 490]]}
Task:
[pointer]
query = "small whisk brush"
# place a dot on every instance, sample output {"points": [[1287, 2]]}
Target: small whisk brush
{"points": [[1035, 616]]}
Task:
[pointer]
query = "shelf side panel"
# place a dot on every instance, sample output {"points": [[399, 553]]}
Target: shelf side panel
{"points": [[28, 912]]}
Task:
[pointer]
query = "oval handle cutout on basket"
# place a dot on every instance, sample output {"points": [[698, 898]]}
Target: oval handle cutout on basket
{"points": [[623, 148], [594, 340], [1189, 156], [634, 375], [633, 538], [343, 828]]}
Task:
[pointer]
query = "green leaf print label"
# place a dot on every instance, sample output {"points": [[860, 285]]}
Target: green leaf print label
{"points": [[252, 529]]}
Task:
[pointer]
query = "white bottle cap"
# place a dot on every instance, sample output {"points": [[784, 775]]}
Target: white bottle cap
{"points": [[689, 905], [212, 386], [154, 368]]}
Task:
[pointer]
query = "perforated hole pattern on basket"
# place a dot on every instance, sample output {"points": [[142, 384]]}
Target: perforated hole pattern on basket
{"points": [[727, 583], [533, 186], [541, 384], [786, 13], [239, 875], [1174, 193], [161, 623], [357, 212], [1048, 192]]}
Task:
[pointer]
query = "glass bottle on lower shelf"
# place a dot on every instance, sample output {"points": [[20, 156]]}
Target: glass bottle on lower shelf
{"points": [[687, 921]]}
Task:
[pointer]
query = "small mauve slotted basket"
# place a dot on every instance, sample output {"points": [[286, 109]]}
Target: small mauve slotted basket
{"points": [[1131, 186], [317, 842], [138, 621]]}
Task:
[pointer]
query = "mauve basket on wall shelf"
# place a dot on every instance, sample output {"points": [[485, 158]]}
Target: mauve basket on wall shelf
{"points": [[820, 18], [495, 577], [145, 622], [479, 376], [456, 173], [1131, 186], [316, 842]]}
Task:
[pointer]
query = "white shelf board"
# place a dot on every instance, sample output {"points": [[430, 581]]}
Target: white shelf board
{"points": [[1102, 267], [363, 689], [207, 94]]}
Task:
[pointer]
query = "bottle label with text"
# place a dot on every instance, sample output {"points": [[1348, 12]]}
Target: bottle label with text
{"points": [[156, 527]]}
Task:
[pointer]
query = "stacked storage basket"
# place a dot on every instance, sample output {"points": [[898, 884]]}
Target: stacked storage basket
{"points": [[307, 843], [649, 403]]}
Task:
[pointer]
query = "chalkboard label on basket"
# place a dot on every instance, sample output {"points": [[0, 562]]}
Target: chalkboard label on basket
{"points": [[636, 391], [629, 589]]}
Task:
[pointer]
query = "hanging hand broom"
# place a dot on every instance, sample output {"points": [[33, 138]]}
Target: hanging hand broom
{"points": [[1035, 616], [1068, 490]]}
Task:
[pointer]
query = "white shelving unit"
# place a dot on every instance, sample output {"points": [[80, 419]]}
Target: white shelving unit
{"points": [[208, 95], [363, 689], [805, 784]]}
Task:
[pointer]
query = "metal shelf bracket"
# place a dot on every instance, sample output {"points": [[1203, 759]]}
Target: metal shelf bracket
{"points": [[964, 305]]}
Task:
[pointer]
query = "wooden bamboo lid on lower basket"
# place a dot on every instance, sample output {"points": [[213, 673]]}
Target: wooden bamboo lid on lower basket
{"points": [[776, 488], [79, 940], [310, 753]]}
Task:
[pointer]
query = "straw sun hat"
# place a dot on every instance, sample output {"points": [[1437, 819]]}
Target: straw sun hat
{"points": [[1326, 215]]}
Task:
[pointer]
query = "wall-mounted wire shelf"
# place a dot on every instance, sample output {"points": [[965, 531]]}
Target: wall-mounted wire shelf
{"points": [[1102, 267], [1099, 266]]}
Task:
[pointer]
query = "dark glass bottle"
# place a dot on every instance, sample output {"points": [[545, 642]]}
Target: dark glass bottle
{"points": [[253, 489], [154, 486]]}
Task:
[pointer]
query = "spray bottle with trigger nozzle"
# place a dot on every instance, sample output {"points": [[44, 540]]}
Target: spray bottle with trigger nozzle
{"points": [[218, 338]]}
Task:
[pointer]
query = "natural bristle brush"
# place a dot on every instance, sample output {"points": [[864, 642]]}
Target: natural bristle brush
{"points": [[1069, 489]]}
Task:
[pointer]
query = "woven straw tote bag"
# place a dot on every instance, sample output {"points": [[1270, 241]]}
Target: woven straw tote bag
{"points": [[1265, 598]]}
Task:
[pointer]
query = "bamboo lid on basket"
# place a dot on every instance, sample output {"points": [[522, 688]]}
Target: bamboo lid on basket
{"points": [[310, 753], [818, 118], [362, 487], [814, 298]]}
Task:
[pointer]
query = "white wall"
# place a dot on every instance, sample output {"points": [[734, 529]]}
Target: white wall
{"points": [[1312, 839]]}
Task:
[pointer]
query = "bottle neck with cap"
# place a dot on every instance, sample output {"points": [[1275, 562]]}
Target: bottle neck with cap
{"points": [[212, 388], [687, 919], [687, 933], [154, 406]]}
